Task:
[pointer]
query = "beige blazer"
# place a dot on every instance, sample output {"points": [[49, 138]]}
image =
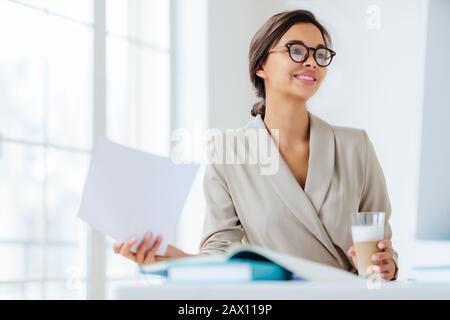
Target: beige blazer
{"points": [[274, 212]]}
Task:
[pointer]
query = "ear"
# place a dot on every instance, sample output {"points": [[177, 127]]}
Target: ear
{"points": [[261, 72]]}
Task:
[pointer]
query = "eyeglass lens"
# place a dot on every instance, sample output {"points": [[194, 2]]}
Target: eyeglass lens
{"points": [[299, 53]]}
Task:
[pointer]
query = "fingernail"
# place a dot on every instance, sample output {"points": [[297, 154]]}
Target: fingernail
{"points": [[133, 240], [375, 257], [381, 246], [148, 236]]}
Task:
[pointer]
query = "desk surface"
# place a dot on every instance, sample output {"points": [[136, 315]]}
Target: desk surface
{"points": [[274, 290]]}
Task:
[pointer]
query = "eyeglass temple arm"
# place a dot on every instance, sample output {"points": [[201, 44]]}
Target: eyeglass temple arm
{"points": [[278, 49]]}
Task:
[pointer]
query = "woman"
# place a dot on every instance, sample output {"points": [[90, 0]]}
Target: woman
{"points": [[325, 172]]}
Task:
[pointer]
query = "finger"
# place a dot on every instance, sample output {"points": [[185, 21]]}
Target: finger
{"points": [[150, 257], [384, 244], [160, 258], [116, 247], [387, 275], [381, 256], [126, 248], [387, 266], [351, 252], [142, 249]]}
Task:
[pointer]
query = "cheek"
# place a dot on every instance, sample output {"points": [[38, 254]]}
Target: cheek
{"points": [[322, 74], [280, 71]]}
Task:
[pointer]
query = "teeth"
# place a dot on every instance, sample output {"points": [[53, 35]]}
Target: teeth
{"points": [[305, 78]]}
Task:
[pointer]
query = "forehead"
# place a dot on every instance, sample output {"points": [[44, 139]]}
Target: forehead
{"points": [[306, 32]]}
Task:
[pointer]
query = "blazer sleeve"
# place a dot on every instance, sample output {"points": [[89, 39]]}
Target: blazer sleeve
{"points": [[374, 195], [222, 228]]}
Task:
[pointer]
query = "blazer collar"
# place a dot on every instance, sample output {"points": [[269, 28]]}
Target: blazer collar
{"points": [[305, 204]]}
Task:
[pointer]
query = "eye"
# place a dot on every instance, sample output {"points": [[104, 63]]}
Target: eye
{"points": [[323, 55], [297, 51], [320, 56]]}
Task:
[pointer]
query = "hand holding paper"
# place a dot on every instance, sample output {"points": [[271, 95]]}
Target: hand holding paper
{"points": [[129, 193]]}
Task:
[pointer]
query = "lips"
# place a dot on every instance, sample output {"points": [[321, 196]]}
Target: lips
{"points": [[308, 78], [305, 78]]}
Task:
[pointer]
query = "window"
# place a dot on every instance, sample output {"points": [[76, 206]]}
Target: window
{"points": [[46, 129], [138, 73], [138, 98]]}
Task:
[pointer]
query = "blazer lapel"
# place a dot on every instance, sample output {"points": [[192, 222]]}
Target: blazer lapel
{"points": [[320, 171], [321, 161]]}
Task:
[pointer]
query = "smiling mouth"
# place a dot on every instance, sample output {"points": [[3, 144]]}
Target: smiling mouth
{"points": [[305, 78]]}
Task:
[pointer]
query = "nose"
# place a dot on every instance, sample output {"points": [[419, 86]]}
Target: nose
{"points": [[310, 62]]}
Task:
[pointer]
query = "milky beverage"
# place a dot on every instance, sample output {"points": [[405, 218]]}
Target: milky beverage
{"points": [[365, 239]]}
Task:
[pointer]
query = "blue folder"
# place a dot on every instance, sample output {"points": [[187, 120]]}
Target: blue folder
{"points": [[261, 268]]}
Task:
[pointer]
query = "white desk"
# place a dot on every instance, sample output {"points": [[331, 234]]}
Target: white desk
{"points": [[279, 290]]}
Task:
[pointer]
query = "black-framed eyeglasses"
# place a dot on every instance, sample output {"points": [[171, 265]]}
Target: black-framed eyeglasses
{"points": [[299, 52]]}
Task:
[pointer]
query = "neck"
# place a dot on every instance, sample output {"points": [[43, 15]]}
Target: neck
{"points": [[292, 120]]}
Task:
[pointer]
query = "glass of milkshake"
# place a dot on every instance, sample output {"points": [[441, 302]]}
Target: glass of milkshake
{"points": [[367, 231]]}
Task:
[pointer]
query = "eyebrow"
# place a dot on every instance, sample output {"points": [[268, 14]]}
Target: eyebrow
{"points": [[321, 45]]}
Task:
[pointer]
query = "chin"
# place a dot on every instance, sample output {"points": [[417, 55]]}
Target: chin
{"points": [[304, 95]]}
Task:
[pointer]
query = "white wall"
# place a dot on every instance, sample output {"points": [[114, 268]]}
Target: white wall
{"points": [[231, 26]]}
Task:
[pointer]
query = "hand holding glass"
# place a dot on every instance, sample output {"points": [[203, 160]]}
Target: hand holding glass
{"points": [[367, 231]]}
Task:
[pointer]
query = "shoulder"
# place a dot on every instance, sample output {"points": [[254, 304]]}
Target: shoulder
{"points": [[350, 136], [226, 138], [345, 137]]}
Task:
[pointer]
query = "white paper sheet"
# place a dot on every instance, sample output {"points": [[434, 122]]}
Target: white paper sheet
{"points": [[128, 193]]}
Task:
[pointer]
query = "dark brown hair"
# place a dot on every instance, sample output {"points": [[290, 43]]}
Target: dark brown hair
{"points": [[265, 38]]}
